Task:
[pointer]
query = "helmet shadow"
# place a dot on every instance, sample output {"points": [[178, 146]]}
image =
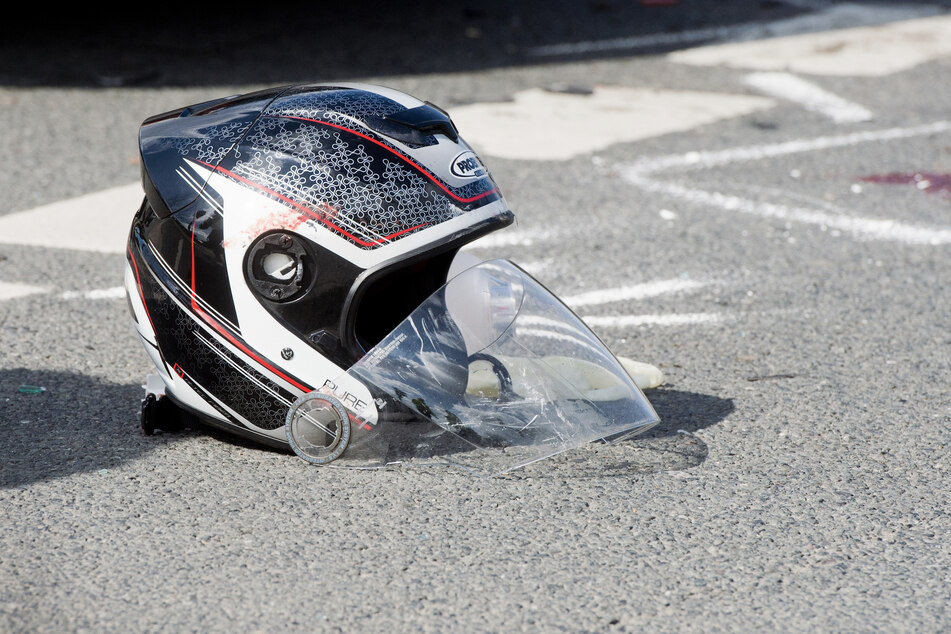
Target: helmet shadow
{"points": [[671, 445], [77, 424], [82, 424]]}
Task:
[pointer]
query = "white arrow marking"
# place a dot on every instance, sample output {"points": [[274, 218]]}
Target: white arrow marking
{"points": [[546, 126], [868, 51], [713, 158], [834, 17], [812, 97]]}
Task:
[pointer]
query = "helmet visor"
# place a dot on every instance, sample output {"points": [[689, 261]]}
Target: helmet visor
{"points": [[490, 373]]}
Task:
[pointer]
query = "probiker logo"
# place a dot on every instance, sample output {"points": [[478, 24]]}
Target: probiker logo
{"points": [[467, 165]]}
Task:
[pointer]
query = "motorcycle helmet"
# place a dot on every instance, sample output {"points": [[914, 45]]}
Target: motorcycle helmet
{"points": [[294, 274]]}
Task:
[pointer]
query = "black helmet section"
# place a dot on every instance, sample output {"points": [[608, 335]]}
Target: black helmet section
{"points": [[279, 266], [188, 249], [204, 132], [384, 296], [303, 286], [382, 301], [226, 382]]}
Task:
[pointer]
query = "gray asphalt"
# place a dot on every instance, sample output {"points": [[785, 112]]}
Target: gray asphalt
{"points": [[798, 480]]}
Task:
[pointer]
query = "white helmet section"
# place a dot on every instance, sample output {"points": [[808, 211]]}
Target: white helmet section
{"points": [[175, 385], [143, 322], [249, 212]]}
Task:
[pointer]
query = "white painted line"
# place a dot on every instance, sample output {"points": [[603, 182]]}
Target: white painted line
{"points": [[636, 41], [536, 266], [508, 238], [699, 160], [641, 174], [546, 126], [635, 292], [812, 97], [868, 51], [94, 222], [834, 17], [11, 290], [859, 227], [828, 16], [627, 321], [116, 292]]}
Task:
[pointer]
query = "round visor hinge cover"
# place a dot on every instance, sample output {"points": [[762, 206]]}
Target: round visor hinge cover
{"points": [[318, 427]]}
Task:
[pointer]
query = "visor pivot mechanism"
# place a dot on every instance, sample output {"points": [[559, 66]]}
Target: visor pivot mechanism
{"points": [[318, 428]]}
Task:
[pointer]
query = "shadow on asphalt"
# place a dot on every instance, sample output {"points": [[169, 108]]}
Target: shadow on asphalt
{"points": [[75, 426], [672, 445], [278, 44], [72, 427], [669, 446], [686, 411]]}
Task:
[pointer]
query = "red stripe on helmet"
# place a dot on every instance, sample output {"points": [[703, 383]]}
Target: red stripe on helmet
{"points": [[419, 167], [306, 210]]}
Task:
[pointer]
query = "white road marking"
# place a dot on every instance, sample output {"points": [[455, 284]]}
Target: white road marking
{"points": [[12, 290], [646, 290], [834, 17], [98, 221], [713, 158], [536, 267], [867, 51], [826, 16], [859, 227], [508, 238], [642, 175], [116, 292], [812, 97], [637, 41], [627, 321], [546, 126]]}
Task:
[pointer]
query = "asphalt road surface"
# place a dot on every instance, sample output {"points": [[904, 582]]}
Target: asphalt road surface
{"points": [[767, 220]]}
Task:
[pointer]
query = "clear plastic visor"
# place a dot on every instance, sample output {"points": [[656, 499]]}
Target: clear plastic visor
{"points": [[492, 372]]}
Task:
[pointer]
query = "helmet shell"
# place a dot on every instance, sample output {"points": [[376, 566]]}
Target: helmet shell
{"points": [[285, 232]]}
